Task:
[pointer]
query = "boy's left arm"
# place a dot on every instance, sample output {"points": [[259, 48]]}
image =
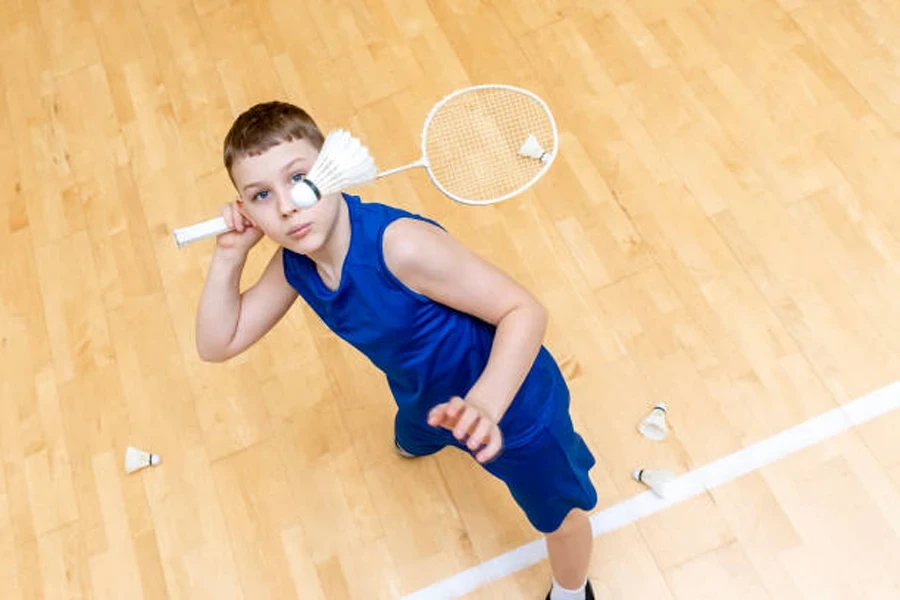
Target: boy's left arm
{"points": [[431, 262]]}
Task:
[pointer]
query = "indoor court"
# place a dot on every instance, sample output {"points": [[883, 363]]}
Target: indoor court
{"points": [[720, 231]]}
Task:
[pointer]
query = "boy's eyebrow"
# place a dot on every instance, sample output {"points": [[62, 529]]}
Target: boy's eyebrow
{"points": [[291, 164], [287, 167]]}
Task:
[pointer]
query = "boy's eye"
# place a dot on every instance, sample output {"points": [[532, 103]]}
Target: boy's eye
{"points": [[261, 195], [298, 177]]}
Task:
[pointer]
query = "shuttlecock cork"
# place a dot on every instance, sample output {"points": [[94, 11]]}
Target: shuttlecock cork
{"points": [[531, 148], [343, 162], [136, 459], [654, 426], [657, 480]]}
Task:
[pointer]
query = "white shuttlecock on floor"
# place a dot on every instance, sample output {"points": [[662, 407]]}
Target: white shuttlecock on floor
{"points": [[342, 162], [533, 149], [657, 480], [654, 426], [136, 459]]}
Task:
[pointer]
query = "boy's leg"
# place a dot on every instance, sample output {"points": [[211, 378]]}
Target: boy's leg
{"points": [[569, 548], [548, 478]]}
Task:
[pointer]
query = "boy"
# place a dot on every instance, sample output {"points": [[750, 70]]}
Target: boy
{"points": [[459, 341]]}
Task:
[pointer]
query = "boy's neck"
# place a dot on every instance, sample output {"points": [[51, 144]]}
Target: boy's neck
{"points": [[330, 257]]}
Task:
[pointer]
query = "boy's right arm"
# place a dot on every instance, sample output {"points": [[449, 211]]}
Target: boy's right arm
{"points": [[228, 322]]}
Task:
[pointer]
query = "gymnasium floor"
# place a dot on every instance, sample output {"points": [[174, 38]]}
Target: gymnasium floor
{"points": [[721, 231]]}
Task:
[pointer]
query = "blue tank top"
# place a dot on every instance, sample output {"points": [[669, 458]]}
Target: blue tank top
{"points": [[428, 351]]}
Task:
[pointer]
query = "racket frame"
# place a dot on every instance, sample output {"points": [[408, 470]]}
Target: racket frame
{"points": [[423, 160]]}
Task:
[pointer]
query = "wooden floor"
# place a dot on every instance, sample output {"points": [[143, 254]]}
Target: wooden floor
{"points": [[721, 231]]}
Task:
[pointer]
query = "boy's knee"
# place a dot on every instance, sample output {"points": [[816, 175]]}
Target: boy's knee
{"points": [[572, 524]]}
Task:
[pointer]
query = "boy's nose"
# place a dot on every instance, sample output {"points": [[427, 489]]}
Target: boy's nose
{"points": [[285, 206]]}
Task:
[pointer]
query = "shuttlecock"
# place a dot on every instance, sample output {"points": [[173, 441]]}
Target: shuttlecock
{"points": [[342, 162], [532, 149], [656, 480], [654, 425], [138, 459]]}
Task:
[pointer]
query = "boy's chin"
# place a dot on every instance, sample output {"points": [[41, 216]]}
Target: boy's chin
{"points": [[307, 245]]}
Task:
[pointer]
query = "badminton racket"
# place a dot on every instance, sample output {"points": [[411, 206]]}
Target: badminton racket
{"points": [[479, 145]]}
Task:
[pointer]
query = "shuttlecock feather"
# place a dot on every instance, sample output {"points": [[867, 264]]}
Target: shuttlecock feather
{"points": [[531, 148], [342, 162], [136, 459], [654, 426], [657, 480]]}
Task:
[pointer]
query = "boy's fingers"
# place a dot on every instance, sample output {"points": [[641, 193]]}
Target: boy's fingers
{"points": [[436, 414], [455, 406], [482, 430], [240, 209], [465, 422], [439, 417], [494, 445]]}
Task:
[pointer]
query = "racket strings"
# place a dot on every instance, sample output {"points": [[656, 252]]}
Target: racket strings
{"points": [[473, 141]]}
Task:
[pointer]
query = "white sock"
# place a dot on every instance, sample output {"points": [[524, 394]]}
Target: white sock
{"points": [[560, 593]]}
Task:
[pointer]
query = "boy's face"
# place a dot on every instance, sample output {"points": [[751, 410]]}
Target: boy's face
{"points": [[264, 183]]}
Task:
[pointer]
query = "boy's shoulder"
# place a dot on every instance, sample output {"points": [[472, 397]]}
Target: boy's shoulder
{"points": [[372, 206], [384, 215]]}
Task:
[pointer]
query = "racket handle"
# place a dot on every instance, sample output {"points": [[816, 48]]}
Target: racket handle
{"points": [[199, 231]]}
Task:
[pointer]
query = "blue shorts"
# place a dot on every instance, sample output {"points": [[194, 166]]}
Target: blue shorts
{"points": [[547, 474]]}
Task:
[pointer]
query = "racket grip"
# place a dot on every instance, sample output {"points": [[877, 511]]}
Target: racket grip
{"points": [[199, 231]]}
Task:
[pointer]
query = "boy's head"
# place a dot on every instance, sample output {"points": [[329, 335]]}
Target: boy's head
{"points": [[266, 125], [269, 149]]}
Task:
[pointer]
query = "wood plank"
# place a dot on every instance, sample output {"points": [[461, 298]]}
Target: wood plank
{"points": [[720, 230]]}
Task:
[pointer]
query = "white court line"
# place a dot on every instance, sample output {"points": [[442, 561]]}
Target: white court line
{"points": [[690, 484]]}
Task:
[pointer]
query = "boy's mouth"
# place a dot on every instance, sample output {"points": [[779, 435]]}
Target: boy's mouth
{"points": [[299, 231]]}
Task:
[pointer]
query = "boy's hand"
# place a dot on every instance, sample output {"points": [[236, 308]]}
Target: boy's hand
{"points": [[245, 235], [468, 420]]}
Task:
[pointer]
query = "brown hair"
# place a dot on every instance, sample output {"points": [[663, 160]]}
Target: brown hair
{"points": [[265, 125]]}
